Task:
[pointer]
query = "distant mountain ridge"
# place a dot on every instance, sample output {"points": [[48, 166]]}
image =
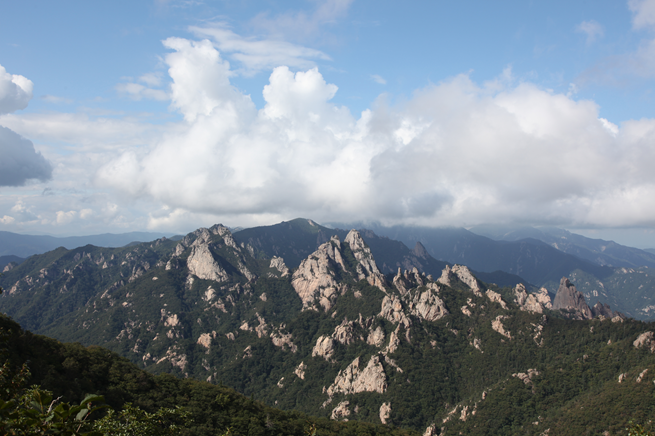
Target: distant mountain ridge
{"points": [[594, 250], [26, 245]]}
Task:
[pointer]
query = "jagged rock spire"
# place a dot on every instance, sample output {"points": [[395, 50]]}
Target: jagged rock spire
{"points": [[568, 298]]}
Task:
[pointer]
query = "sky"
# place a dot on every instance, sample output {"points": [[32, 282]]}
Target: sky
{"points": [[168, 115]]}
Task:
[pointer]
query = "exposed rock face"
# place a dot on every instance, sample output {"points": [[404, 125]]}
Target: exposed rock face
{"points": [[341, 411], [352, 380], [366, 268], [278, 264], [205, 340], [202, 264], [463, 274], [300, 370], [324, 348], [498, 326], [543, 298], [392, 310], [376, 337], [495, 297], [431, 430], [526, 377], [385, 412], [315, 278], [604, 311], [646, 340], [283, 341], [641, 376], [569, 299], [427, 305], [403, 282], [343, 333], [394, 342], [535, 303]]}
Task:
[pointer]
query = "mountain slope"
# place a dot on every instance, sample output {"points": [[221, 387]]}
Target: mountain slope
{"points": [[70, 371], [334, 337]]}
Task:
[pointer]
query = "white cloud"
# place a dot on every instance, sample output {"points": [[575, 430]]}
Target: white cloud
{"points": [[378, 79], [259, 54], [136, 91], [151, 79], [6, 220], [644, 13], [15, 91], [592, 29], [64, 218], [56, 100], [300, 25], [456, 153]]}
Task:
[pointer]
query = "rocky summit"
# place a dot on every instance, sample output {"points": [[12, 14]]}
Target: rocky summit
{"points": [[333, 336]]}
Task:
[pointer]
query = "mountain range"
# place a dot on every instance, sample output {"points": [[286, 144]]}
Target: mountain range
{"points": [[303, 317], [23, 246]]}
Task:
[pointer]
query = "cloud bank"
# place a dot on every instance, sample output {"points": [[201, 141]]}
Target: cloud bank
{"points": [[20, 161], [456, 153]]}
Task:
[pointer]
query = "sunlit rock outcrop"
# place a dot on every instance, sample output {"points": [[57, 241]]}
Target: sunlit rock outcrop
{"points": [[353, 380], [366, 267], [645, 340], [315, 279], [569, 299], [463, 274]]}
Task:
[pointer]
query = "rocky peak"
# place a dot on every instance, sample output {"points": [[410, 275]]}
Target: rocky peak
{"points": [[427, 305], [569, 299], [462, 274], [407, 280], [535, 303], [604, 311], [366, 266], [202, 264], [315, 278], [278, 264], [420, 251]]}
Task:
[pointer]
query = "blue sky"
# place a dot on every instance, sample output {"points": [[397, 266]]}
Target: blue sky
{"points": [[169, 115]]}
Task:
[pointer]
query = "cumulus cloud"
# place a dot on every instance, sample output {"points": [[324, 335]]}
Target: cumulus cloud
{"points": [[378, 79], [592, 29], [456, 153], [15, 91], [20, 161]]}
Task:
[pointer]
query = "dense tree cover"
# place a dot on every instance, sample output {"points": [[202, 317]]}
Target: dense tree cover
{"points": [[144, 401]]}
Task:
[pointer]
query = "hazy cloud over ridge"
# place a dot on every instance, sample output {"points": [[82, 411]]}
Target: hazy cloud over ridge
{"points": [[455, 153]]}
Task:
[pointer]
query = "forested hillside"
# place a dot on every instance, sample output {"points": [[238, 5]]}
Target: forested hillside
{"points": [[337, 338]]}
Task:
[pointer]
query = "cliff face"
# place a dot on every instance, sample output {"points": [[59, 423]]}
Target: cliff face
{"points": [[569, 299], [317, 279]]}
